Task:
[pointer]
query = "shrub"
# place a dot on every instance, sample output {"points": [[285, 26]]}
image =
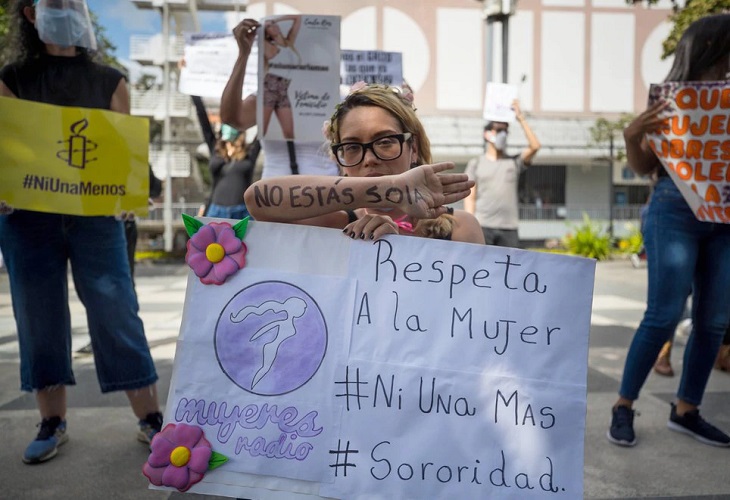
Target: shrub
{"points": [[633, 242], [588, 240]]}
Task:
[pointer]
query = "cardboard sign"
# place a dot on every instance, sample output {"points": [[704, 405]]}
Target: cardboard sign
{"points": [[694, 144], [498, 102], [299, 66], [75, 161], [209, 61], [400, 368]]}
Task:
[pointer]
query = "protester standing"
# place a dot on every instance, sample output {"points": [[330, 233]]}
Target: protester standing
{"points": [[493, 200], [54, 42], [684, 254]]}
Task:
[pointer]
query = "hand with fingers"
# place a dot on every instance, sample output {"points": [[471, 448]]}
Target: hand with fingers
{"points": [[431, 190], [245, 34], [371, 227], [125, 216], [648, 122], [5, 209]]}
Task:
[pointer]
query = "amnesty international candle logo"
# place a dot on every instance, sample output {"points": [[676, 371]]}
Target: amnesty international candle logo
{"points": [[78, 146]]}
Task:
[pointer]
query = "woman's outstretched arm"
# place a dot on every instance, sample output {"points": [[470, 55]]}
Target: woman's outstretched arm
{"points": [[422, 192]]}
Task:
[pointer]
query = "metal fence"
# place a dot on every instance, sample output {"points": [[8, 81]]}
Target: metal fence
{"points": [[527, 212]]}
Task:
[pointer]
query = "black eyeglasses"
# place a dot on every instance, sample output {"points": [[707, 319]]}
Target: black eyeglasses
{"points": [[390, 147]]}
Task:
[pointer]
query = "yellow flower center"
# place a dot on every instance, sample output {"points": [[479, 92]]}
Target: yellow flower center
{"points": [[180, 456], [215, 252]]}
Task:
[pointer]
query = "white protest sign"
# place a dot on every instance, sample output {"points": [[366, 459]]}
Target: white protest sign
{"points": [[694, 144], [209, 60], [400, 368], [371, 66], [498, 102], [299, 74]]}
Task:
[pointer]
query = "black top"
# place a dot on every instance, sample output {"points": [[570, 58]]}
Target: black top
{"points": [[231, 178], [63, 81]]}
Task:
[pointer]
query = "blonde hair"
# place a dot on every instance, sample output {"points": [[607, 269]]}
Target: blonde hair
{"points": [[400, 106], [392, 100]]}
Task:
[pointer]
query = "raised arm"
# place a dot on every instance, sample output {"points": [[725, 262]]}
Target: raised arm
{"points": [[421, 192], [639, 155], [204, 121], [235, 111], [533, 145], [291, 36]]}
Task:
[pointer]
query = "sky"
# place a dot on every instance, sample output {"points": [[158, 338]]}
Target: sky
{"points": [[121, 19]]}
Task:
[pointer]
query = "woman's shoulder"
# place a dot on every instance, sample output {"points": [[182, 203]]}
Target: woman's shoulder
{"points": [[467, 228]]}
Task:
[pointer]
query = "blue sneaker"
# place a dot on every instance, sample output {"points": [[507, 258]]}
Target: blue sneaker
{"points": [[45, 446], [151, 425], [622, 427], [692, 424]]}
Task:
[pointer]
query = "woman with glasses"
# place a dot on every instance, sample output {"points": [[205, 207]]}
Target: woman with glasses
{"points": [[377, 140]]}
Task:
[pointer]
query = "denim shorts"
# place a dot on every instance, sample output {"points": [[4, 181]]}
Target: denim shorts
{"points": [[37, 248], [237, 212]]}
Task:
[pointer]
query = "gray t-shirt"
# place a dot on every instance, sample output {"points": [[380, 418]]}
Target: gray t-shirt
{"points": [[496, 190]]}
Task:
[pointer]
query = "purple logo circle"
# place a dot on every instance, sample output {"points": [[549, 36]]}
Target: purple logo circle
{"points": [[271, 338]]}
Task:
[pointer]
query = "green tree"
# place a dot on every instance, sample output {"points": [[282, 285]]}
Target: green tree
{"points": [[605, 132], [683, 16]]}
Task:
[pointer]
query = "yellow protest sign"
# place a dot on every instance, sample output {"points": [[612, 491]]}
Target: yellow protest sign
{"points": [[75, 161]]}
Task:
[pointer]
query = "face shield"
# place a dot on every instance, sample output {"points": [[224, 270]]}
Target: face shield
{"points": [[65, 23]]}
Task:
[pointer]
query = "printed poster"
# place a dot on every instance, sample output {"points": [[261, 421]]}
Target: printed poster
{"points": [[299, 66], [74, 161], [498, 102], [208, 63], [400, 368], [694, 144]]}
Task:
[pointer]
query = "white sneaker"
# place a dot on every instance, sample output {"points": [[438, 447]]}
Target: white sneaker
{"points": [[684, 327], [635, 260]]}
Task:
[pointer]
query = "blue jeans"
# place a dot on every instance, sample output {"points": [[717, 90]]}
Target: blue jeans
{"points": [[37, 247], [683, 255], [237, 212]]}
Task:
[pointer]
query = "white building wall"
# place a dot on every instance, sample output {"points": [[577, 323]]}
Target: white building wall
{"points": [[562, 44]]}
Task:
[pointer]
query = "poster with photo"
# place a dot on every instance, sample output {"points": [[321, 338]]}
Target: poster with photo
{"points": [[298, 76], [694, 144]]}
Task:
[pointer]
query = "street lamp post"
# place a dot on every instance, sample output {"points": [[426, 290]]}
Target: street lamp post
{"points": [[498, 11]]}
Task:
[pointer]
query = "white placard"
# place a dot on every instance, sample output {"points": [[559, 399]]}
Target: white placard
{"points": [[209, 60], [371, 66], [498, 102], [401, 368]]}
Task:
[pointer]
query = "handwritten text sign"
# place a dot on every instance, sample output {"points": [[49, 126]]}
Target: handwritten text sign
{"points": [[498, 102], [75, 161], [403, 368], [694, 144], [371, 66], [209, 60]]}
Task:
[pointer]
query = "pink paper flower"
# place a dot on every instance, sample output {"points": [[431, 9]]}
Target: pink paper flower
{"points": [[215, 252], [357, 86], [179, 457]]}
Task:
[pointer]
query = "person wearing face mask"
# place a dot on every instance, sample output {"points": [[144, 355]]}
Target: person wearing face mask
{"points": [[53, 42], [493, 199]]}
